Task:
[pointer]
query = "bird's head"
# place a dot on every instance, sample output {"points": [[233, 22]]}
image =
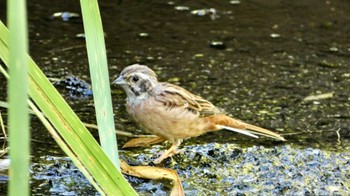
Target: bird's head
{"points": [[138, 81]]}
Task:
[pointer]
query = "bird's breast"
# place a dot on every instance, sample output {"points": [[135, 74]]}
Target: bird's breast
{"points": [[169, 122]]}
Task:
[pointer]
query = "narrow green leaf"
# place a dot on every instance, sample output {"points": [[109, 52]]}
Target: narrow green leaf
{"points": [[70, 128], [100, 78], [55, 136], [17, 98]]}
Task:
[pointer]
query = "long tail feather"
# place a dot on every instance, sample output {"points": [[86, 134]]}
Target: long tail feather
{"points": [[225, 122], [245, 132], [261, 131]]}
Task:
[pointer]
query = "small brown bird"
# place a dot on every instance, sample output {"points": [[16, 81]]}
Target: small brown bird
{"points": [[173, 113]]}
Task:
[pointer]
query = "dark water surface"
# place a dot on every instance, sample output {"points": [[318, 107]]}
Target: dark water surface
{"points": [[258, 60]]}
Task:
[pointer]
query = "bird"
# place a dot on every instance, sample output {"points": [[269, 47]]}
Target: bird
{"points": [[173, 113]]}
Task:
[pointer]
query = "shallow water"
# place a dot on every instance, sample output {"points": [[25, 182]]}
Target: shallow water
{"points": [[270, 56]]}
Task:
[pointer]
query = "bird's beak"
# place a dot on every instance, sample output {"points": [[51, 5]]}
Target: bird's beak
{"points": [[120, 80]]}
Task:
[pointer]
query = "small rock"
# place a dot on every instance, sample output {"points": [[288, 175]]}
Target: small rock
{"points": [[235, 2], [275, 35], [182, 8], [333, 49], [65, 16], [217, 45], [143, 35]]}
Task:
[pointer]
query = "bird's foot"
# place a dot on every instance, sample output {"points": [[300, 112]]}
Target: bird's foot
{"points": [[170, 152], [166, 154]]}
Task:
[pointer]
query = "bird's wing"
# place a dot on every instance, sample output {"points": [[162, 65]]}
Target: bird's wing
{"points": [[174, 96]]}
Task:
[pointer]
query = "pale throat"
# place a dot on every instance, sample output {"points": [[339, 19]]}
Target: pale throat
{"points": [[136, 94], [134, 99]]}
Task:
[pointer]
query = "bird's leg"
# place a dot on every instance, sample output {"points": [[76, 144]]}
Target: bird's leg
{"points": [[170, 152]]}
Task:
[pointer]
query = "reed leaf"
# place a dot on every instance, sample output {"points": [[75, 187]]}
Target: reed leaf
{"points": [[100, 78], [84, 147], [17, 97]]}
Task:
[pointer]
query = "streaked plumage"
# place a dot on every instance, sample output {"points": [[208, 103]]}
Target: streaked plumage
{"points": [[174, 113]]}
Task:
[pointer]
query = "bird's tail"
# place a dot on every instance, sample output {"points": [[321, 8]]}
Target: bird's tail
{"points": [[225, 122]]}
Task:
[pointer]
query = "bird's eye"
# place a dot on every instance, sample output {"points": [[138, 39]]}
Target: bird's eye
{"points": [[135, 78]]}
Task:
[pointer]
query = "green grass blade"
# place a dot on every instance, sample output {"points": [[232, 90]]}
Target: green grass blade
{"points": [[17, 98], [100, 78], [55, 136], [70, 128]]}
